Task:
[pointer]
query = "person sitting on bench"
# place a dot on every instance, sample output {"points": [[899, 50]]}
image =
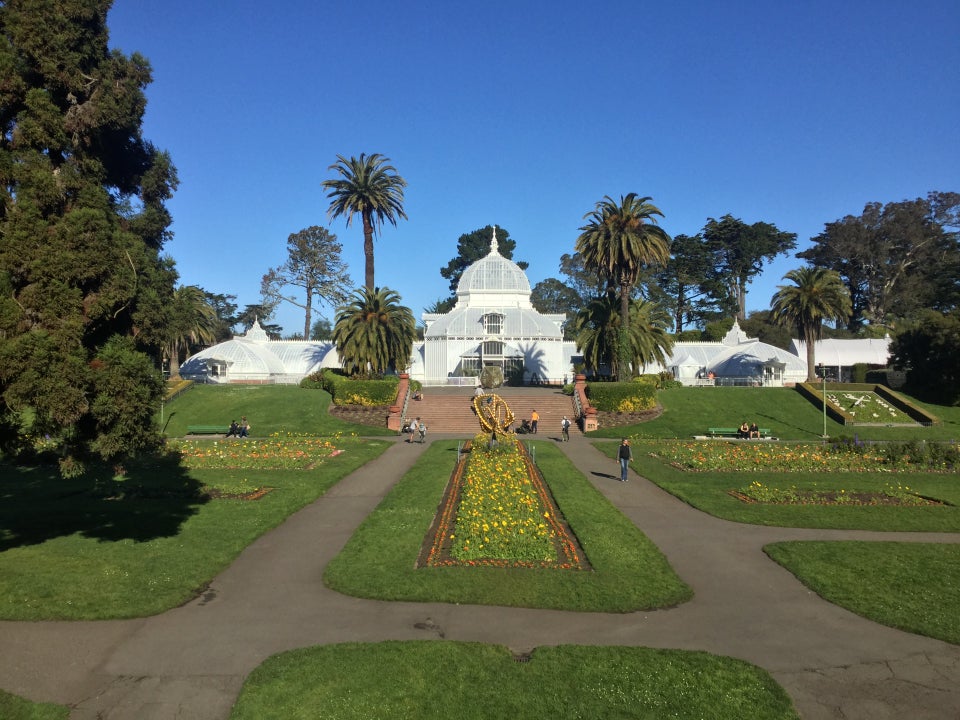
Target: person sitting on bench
{"points": [[743, 431], [754, 431]]}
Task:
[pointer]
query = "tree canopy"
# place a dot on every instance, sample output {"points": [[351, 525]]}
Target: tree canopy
{"points": [[86, 295], [689, 284], [475, 245], [314, 266], [739, 254], [927, 347], [895, 259], [370, 187]]}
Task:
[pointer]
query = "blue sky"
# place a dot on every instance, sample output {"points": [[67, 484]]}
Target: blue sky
{"points": [[525, 114]]}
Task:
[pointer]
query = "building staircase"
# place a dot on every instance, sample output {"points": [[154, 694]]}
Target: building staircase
{"points": [[450, 411]]}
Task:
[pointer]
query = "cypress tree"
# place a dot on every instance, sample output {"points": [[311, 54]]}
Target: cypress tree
{"points": [[84, 289]]}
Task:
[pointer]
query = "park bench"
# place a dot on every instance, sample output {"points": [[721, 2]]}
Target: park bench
{"points": [[208, 429], [732, 432]]}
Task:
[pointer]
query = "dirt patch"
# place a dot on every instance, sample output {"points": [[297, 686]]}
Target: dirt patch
{"points": [[616, 419], [375, 416], [215, 494]]}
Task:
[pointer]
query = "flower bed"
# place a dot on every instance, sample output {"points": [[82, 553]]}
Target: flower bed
{"points": [[866, 406], [278, 452], [757, 492], [497, 511], [845, 456]]}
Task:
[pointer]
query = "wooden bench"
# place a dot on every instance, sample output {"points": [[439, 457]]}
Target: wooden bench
{"points": [[208, 429], [732, 432]]}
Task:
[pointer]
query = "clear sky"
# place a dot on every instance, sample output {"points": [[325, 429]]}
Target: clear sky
{"points": [[525, 114]]}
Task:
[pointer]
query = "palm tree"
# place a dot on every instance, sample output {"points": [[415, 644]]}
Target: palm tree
{"points": [[817, 294], [374, 333], [618, 242], [597, 328], [195, 322], [370, 186]]}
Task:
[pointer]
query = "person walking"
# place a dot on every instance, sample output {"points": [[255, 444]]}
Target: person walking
{"points": [[534, 420], [624, 455], [422, 427], [414, 428], [244, 427], [565, 428]]}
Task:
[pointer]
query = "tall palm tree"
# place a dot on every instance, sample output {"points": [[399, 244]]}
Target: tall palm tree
{"points": [[374, 333], [817, 294], [618, 242], [370, 186], [598, 325], [194, 322]]}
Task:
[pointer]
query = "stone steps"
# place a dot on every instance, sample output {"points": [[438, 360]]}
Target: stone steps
{"points": [[445, 413]]}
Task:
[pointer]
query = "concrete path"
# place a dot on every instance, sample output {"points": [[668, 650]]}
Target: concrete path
{"points": [[190, 663]]}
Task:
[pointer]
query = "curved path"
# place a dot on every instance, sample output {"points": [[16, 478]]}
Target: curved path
{"points": [[190, 663]]}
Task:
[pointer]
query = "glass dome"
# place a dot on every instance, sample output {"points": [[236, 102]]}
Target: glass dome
{"points": [[493, 273]]}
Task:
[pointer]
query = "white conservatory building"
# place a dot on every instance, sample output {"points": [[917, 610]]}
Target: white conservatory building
{"points": [[493, 323], [255, 358], [735, 360]]}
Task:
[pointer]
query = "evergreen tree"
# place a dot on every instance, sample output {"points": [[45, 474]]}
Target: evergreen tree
{"points": [[740, 252], [473, 246], [86, 294]]}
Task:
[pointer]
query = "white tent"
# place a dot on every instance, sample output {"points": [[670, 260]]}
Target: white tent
{"points": [[839, 355]]}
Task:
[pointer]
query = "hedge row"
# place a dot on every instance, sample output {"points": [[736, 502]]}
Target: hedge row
{"points": [[347, 391], [636, 396]]}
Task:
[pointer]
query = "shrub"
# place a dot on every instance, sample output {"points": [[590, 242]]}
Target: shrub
{"points": [[313, 381], [622, 397], [349, 391], [859, 372]]}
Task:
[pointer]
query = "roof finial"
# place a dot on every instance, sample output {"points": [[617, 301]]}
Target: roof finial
{"points": [[494, 245]]}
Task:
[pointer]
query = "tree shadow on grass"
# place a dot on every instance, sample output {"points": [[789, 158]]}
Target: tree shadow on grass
{"points": [[152, 499]]}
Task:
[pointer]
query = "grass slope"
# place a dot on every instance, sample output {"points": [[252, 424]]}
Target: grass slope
{"points": [[269, 408], [790, 416]]}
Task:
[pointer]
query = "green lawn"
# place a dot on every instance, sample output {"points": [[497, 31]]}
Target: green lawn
{"points": [[94, 548], [13, 707], [629, 572], [269, 408], [789, 415], [911, 586], [441, 679]]}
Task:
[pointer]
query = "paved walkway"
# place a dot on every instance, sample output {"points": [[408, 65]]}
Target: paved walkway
{"points": [[190, 663]]}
